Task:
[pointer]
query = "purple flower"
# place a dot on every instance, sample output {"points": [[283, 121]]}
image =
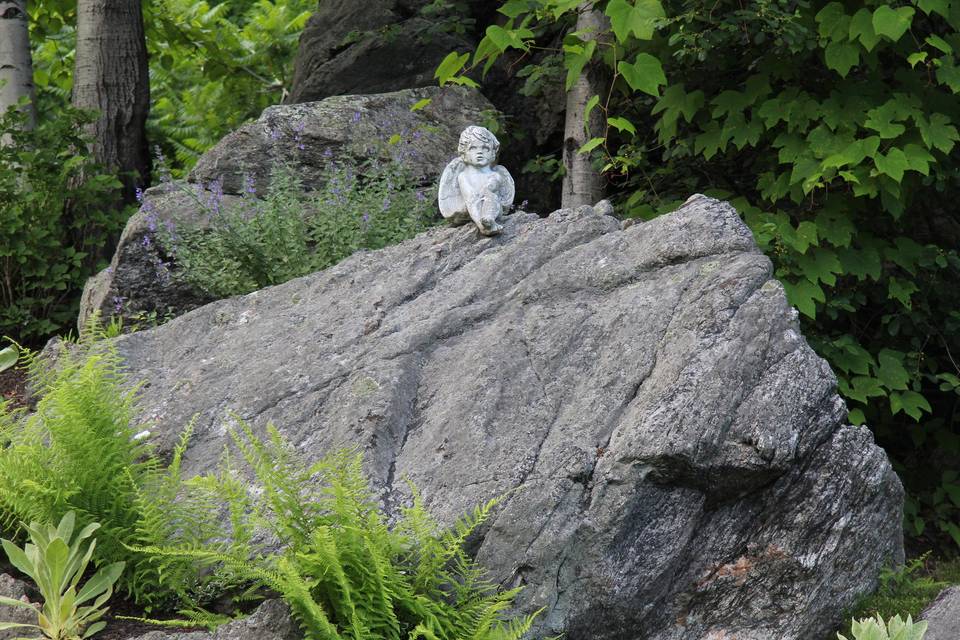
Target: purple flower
{"points": [[151, 222], [421, 196], [356, 116], [118, 303], [146, 242], [274, 133], [139, 195], [328, 153], [249, 185]]}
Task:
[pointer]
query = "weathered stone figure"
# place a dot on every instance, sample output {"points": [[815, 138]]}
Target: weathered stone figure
{"points": [[472, 187]]}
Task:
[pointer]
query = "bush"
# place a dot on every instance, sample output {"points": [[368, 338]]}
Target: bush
{"points": [[54, 225], [876, 629], [290, 233]]}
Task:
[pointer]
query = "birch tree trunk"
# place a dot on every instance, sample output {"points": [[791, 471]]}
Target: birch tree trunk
{"points": [[16, 65], [582, 184], [111, 77]]}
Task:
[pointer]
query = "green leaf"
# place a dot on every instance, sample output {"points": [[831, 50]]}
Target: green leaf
{"points": [[935, 6], [918, 158], [910, 402], [622, 124], [8, 357], [937, 42], [893, 164], [856, 417], [575, 58], [938, 132], [891, 371], [638, 19], [902, 290], [861, 26], [420, 104], [804, 295], [892, 23], [832, 21], [645, 74], [884, 120], [588, 109], [591, 144], [948, 73], [914, 58], [842, 56], [450, 66]]}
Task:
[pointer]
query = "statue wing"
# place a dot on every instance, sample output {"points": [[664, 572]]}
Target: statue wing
{"points": [[448, 192], [507, 189]]}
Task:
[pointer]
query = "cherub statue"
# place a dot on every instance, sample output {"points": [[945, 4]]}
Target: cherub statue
{"points": [[472, 187]]}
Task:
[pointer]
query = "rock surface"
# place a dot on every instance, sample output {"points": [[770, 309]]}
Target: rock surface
{"points": [[943, 616], [10, 587], [271, 621], [351, 128], [685, 467], [143, 283], [368, 47]]}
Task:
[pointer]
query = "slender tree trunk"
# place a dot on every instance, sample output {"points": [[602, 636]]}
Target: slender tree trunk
{"points": [[583, 184], [16, 66], [111, 77]]}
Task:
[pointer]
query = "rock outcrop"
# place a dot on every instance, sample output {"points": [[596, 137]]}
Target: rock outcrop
{"points": [[682, 458], [10, 587], [943, 616], [144, 283], [271, 621]]}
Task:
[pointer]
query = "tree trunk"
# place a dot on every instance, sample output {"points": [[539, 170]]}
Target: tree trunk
{"points": [[16, 66], [111, 78], [583, 184]]}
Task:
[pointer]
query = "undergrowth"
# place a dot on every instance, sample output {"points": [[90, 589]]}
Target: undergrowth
{"points": [[290, 232]]}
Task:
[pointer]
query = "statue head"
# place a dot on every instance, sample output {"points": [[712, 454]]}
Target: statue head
{"points": [[478, 146]]}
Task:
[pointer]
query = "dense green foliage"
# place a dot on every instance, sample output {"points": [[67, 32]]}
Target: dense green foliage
{"points": [[343, 572], [54, 223], [79, 452], [56, 561], [831, 126], [289, 233]]}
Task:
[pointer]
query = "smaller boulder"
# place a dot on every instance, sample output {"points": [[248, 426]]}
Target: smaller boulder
{"points": [[352, 129], [943, 616], [271, 621], [10, 587]]}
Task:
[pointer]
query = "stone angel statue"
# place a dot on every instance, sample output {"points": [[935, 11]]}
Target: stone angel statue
{"points": [[473, 187]]}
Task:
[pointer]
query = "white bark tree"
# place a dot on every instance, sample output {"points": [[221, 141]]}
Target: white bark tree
{"points": [[111, 78], [16, 65], [582, 184]]}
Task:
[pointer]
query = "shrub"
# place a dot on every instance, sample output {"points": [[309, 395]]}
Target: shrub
{"points": [[54, 226], [290, 233]]}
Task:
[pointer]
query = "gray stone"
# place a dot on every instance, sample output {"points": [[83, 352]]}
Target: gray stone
{"points": [[684, 466], [10, 587], [271, 621], [368, 47], [943, 615], [352, 129]]}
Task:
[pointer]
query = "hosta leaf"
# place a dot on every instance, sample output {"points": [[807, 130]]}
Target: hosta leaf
{"points": [[892, 23]]}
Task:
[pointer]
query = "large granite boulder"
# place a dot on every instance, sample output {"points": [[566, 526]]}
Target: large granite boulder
{"points": [[684, 466], [144, 284]]}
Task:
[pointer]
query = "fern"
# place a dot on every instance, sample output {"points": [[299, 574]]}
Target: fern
{"points": [[344, 573]]}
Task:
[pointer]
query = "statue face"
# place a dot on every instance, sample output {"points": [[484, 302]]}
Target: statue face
{"points": [[479, 153]]}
